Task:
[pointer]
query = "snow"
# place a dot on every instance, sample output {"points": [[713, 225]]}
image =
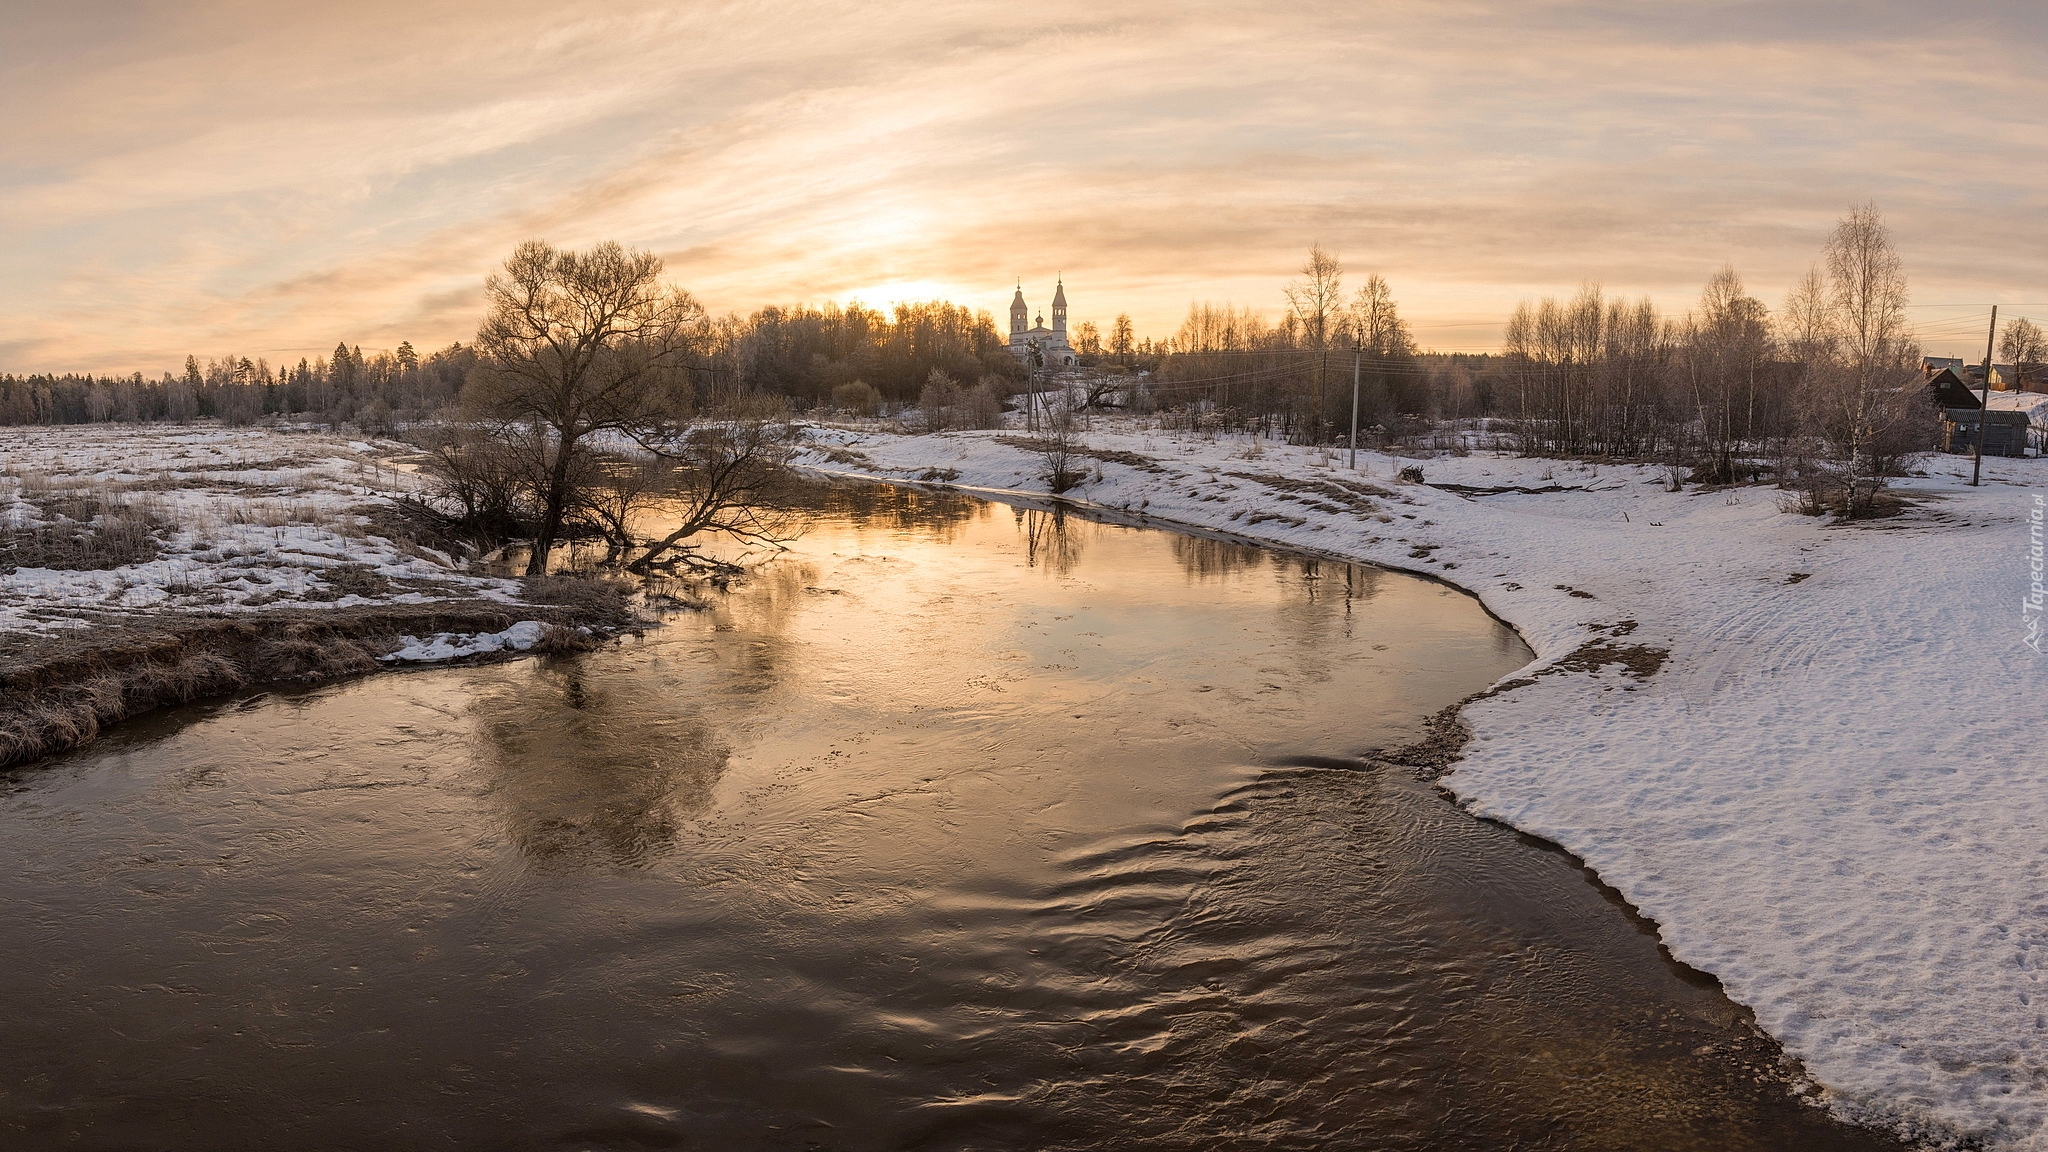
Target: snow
{"points": [[250, 519], [455, 645], [1832, 795], [2034, 404]]}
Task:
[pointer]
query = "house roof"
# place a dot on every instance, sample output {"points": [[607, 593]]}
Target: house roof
{"points": [[1972, 415], [1949, 391]]}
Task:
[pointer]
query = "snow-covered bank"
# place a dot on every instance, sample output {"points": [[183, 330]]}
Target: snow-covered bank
{"points": [[1830, 793]]}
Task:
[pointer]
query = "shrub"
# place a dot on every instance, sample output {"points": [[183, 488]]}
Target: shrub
{"points": [[857, 397]]}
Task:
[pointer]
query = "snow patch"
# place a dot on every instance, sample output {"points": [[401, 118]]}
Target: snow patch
{"points": [[455, 645]]}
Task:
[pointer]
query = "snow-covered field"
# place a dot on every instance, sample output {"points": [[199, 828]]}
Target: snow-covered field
{"points": [[240, 519], [1833, 793]]}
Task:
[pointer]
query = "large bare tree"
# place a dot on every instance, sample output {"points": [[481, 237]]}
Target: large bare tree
{"points": [[2025, 348], [579, 343], [1316, 301], [1724, 358], [1868, 401]]}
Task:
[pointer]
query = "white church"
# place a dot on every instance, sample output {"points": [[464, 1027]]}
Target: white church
{"points": [[1036, 344]]}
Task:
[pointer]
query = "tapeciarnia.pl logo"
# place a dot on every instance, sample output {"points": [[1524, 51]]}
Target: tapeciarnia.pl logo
{"points": [[2037, 595]]}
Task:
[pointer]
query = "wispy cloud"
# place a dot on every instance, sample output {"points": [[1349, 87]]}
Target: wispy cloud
{"points": [[213, 176]]}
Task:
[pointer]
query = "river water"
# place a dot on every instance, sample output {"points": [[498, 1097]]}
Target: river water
{"points": [[958, 827]]}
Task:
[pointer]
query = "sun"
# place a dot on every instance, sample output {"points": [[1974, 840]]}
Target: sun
{"points": [[893, 292]]}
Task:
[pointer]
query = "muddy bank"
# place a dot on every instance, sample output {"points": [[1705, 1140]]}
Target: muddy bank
{"points": [[60, 691]]}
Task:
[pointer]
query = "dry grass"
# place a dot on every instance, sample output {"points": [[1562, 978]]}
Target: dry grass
{"points": [[59, 692], [605, 600], [77, 532]]}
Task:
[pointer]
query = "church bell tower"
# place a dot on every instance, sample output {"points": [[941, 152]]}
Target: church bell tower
{"points": [[1059, 308], [1020, 313]]}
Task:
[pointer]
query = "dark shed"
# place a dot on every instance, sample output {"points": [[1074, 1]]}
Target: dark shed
{"points": [[2005, 433]]}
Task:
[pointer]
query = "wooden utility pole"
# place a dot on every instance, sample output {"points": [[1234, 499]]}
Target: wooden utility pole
{"points": [[1356, 352], [1984, 409]]}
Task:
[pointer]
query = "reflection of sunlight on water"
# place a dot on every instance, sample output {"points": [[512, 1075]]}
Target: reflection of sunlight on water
{"points": [[593, 768]]}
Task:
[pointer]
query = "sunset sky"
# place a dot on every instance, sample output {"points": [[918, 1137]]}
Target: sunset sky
{"points": [[220, 176]]}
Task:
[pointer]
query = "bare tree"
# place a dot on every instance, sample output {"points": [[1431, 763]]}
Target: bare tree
{"points": [[1316, 302], [2025, 348], [937, 401], [1376, 321], [1056, 445], [1382, 341], [1087, 339], [725, 474], [1864, 406], [621, 491], [1317, 298], [1806, 324], [1724, 356], [578, 343]]}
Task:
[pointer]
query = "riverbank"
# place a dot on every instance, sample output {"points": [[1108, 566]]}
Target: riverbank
{"points": [[1804, 749], [58, 692], [147, 566]]}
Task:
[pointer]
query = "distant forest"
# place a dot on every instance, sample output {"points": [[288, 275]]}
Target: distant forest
{"points": [[801, 353]]}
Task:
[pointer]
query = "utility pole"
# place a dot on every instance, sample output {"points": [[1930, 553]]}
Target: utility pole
{"points": [[1355, 354], [1984, 409], [1031, 390]]}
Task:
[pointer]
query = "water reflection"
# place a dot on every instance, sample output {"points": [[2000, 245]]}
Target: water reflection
{"points": [[593, 769], [774, 595], [1048, 543], [1204, 559], [939, 513]]}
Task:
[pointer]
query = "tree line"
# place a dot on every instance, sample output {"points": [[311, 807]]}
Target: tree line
{"points": [[375, 392], [1826, 394], [802, 353]]}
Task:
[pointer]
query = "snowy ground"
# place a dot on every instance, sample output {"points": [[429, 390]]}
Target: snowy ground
{"points": [[242, 519], [1833, 794]]}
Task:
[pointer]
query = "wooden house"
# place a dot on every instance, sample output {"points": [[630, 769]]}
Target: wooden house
{"points": [[1947, 389], [2005, 432]]}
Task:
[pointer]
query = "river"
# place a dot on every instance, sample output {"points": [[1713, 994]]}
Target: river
{"points": [[958, 826]]}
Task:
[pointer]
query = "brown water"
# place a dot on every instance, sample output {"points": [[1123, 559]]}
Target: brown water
{"points": [[960, 827]]}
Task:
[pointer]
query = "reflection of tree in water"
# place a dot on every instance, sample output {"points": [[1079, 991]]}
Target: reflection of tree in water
{"points": [[887, 506], [1048, 540], [1206, 560], [1324, 592], [751, 618], [594, 771]]}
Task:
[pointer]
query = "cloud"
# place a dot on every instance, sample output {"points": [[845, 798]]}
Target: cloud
{"points": [[214, 176]]}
